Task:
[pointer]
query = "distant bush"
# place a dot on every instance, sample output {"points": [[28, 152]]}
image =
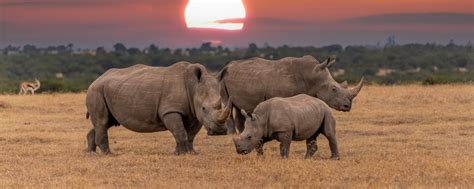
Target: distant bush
{"points": [[413, 63], [52, 85]]}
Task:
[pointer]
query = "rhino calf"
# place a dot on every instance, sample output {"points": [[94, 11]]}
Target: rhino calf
{"points": [[297, 118]]}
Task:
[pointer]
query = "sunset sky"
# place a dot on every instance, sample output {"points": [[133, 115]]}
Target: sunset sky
{"points": [[92, 23]]}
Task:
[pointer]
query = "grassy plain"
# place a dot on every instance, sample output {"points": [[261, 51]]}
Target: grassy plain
{"points": [[395, 136]]}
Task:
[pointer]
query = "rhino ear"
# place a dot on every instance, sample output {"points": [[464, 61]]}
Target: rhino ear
{"points": [[326, 64], [331, 61], [321, 66], [254, 117], [244, 113], [196, 72], [344, 84]]}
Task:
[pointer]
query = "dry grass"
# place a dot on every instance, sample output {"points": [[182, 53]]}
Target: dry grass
{"points": [[396, 136]]}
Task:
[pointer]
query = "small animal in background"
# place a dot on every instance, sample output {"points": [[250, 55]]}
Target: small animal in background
{"points": [[296, 118], [29, 86]]}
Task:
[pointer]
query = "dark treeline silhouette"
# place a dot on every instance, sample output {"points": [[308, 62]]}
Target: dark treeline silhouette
{"points": [[65, 68]]}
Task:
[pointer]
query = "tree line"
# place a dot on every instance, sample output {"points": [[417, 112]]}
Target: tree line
{"points": [[64, 68]]}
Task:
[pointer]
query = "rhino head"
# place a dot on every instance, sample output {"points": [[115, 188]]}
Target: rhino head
{"points": [[205, 100], [337, 95], [251, 136]]}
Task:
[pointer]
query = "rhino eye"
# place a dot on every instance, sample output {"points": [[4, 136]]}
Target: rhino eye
{"points": [[204, 109], [249, 137]]}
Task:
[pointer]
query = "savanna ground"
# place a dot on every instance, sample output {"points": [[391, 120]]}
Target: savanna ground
{"points": [[395, 136]]}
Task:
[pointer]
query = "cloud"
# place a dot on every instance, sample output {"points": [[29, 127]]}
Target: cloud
{"points": [[415, 18], [43, 3], [276, 21], [68, 3]]}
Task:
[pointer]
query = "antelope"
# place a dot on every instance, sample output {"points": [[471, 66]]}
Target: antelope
{"points": [[28, 86]]}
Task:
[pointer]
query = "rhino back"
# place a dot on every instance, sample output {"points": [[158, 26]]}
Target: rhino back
{"points": [[139, 96], [252, 81], [300, 114]]}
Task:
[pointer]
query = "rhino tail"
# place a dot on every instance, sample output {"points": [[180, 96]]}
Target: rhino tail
{"points": [[87, 115]]}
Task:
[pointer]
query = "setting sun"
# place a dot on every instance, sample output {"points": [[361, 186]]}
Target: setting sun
{"points": [[215, 14]]}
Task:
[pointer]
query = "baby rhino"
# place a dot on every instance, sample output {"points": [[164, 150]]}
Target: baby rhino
{"points": [[300, 117]]}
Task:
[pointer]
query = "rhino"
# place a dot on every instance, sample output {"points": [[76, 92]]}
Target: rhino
{"points": [[180, 98], [297, 118], [255, 80]]}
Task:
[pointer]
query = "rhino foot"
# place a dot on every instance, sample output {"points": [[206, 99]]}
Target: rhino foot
{"points": [[335, 158], [179, 152], [190, 149], [89, 151], [183, 149]]}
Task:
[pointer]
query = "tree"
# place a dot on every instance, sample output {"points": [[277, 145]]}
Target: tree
{"points": [[153, 49], [391, 42], [120, 48], [133, 51], [70, 47], [62, 49], [252, 51], [333, 48], [30, 49], [206, 47], [100, 50]]}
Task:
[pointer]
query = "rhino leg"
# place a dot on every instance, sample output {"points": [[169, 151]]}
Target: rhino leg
{"points": [[259, 149], [102, 138], [91, 146], [230, 127], [329, 131], [192, 132], [231, 122], [100, 121], [311, 145], [285, 141], [174, 123]]}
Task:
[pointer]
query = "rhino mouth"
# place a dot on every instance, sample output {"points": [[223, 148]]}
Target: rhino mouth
{"points": [[243, 152], [345, 108], [211, 132], [214, 129]]}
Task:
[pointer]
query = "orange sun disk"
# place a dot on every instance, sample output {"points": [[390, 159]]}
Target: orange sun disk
{"points": [[215, 14]]}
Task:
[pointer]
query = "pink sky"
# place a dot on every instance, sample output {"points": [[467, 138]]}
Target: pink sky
{"points": [[91, 23]]}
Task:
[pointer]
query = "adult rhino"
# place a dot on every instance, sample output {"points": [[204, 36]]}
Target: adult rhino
{"points": [[252, 81], [180, 98]]}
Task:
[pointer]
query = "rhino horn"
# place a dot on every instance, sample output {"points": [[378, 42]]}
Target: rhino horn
{"points": [[344, 84], [224, 113], [356, 90]]}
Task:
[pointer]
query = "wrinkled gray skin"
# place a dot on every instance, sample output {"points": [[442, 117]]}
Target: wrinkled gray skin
{"points": [[180, 98], [297, 118], [252, 81]]}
